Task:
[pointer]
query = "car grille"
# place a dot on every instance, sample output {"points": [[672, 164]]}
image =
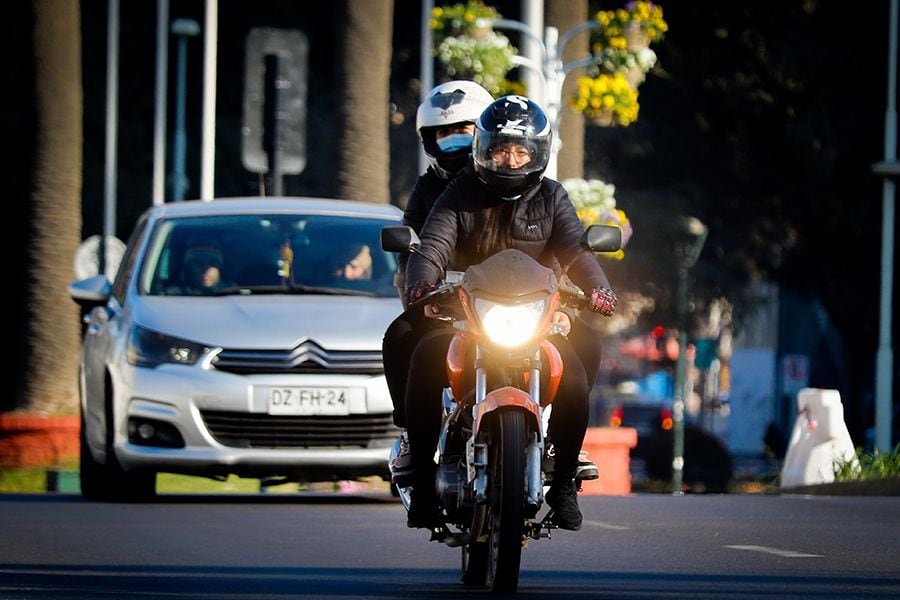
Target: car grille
{"points": [[308, 357], [255, 430]]}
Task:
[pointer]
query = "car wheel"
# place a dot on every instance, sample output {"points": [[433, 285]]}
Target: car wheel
{"points": [[90, 472], [110, 482]]}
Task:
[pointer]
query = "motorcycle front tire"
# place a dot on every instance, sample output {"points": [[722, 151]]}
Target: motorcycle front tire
{"points": [[507, 511]]}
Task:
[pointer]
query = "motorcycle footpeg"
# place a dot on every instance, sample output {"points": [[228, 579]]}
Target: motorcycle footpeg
{"points": [[548, 523], [439, 534]]}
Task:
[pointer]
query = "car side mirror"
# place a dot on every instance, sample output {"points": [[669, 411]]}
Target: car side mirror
{"points": [[399, 238], [602, 238], [91, 292]]}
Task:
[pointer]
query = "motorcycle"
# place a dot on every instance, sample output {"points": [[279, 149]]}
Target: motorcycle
{"points": [[494, 456]]}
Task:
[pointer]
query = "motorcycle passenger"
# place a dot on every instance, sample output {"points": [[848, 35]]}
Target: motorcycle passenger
{"points": [[501, 201], [445, 122]]}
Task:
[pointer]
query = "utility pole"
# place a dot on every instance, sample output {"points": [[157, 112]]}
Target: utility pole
{"points": [[693, 236], [182, 29]]}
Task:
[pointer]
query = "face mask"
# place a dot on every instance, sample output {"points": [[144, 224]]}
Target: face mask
{"points": [[455, 141]]}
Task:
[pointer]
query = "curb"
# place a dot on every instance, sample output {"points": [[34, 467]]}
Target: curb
{"points": [[889, 486]]}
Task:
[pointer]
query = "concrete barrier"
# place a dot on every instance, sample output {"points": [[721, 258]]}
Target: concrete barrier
{"points": [[819, 440], [34, 440], [610, 449]]}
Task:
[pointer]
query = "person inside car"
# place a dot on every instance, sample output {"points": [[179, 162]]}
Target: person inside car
{"points": [[202, 270], [351, 263]]}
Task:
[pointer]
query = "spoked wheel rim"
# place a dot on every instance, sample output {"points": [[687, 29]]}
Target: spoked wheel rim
{"points": [[506, 520]]}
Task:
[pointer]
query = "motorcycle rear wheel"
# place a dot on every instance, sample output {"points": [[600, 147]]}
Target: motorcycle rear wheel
{"points": [[507, 512]]}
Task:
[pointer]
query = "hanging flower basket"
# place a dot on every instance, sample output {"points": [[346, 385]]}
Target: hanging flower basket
{"points": [[606, 100], [595, 202], [467, 48], [622, 42]]}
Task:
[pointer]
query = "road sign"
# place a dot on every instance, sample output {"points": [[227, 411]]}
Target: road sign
{"points": [[794, 373], [275, 99]]}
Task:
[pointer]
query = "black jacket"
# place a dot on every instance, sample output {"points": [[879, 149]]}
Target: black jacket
{"points": [[428, 187], [544, 226]]}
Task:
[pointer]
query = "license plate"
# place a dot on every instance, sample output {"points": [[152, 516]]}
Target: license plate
{"points": [[311, 400]]}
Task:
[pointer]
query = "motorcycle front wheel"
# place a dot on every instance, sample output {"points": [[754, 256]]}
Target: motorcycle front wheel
{"points": [[507, 502]]}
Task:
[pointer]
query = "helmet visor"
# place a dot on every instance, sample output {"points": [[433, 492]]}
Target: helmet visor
{"points": [[512, 154]]}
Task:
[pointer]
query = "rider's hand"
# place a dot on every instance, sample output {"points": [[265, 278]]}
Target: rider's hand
{"points": [[418, 290], [562, 319], [603, 301]]}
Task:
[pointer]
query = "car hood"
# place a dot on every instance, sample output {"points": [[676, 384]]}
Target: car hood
{"points": [[271, 321]]}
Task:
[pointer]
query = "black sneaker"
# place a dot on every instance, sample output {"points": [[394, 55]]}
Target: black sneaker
{"points": [[563, 499], [424, 512], [401, 462]]}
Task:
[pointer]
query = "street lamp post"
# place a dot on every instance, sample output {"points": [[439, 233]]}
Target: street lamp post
{"points": [[182, 29], [693, 236]]}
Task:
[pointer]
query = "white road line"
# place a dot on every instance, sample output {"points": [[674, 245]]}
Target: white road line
{"points": [[776, 551], [604, 525]]}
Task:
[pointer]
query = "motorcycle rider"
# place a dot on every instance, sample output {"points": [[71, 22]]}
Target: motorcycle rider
{"points": [[500, 201], [445, 122]]}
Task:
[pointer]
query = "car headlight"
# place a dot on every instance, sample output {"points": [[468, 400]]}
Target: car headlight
{"points": [[148, 348], [510, 325]]}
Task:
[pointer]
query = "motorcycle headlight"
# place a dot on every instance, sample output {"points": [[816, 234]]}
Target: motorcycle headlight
{"points": [[510, 325], [148, 348]]}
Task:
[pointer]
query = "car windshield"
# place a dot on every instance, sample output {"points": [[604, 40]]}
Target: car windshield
{"points": [[267, 254]]}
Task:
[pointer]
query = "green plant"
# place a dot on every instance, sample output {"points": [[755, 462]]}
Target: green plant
{"points": [[868, 465], [467, 47], [462, 19]]}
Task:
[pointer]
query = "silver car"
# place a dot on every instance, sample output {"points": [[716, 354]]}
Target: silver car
{"points": [[241, 336]]}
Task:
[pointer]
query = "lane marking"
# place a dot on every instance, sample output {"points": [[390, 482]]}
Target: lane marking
{"points": [[604, 525], [775, 551]]}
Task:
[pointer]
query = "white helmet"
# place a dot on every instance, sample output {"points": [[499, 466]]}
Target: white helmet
{"points": [[450, 103]]}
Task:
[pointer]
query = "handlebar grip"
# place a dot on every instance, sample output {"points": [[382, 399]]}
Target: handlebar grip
{"points": [[572, 295]]}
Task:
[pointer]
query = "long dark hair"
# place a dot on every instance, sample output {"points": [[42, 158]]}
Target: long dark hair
{"points": [[493, 230]]}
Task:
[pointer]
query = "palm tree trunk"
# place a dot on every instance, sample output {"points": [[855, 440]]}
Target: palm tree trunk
{"points": [[565, 14], [51, 383], [364, 152]]}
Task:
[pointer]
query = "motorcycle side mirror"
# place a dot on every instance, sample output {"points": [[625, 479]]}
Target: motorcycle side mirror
{"points": [[399, 238], [602, 238]]}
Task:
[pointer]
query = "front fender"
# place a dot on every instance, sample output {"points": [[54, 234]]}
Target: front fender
{"points": [[506, 397]]}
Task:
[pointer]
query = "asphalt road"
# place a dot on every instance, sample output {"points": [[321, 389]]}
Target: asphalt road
{"points": [[341, 546]]}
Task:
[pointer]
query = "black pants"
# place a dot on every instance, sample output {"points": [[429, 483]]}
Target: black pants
{"points": [[400, 340], [587, 344], [428, 378]]}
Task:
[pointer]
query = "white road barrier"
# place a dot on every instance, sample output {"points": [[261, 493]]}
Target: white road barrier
{"points": [[819, 440]]}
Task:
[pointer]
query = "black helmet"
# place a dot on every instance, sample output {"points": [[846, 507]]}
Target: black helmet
{"points": [[512, 122]]}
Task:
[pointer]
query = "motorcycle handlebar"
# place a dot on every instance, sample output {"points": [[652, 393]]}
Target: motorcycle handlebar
{"points": [[572, 295]]}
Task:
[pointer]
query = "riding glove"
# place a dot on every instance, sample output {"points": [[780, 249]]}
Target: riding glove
{"points": [[603, 301]]}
